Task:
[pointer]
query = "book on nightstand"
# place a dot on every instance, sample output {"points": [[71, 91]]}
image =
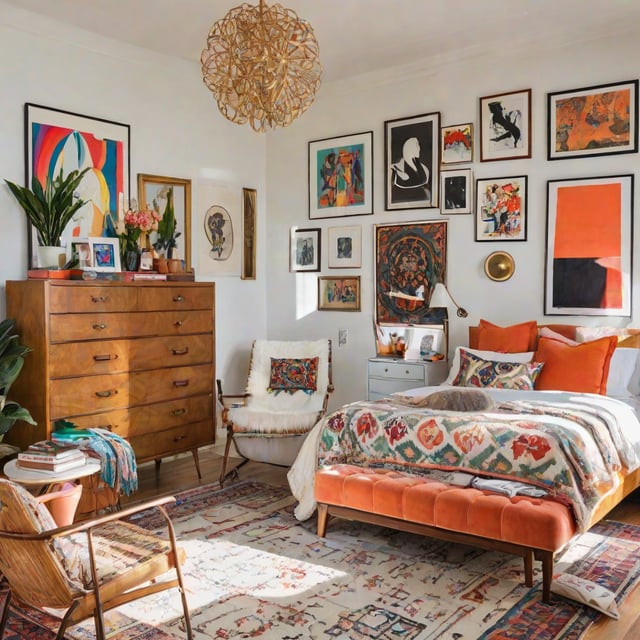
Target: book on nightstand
{"points": [[70, 462]]}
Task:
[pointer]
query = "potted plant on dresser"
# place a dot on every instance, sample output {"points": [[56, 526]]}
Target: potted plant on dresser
{"points": [[11, 361], [49, 209]]}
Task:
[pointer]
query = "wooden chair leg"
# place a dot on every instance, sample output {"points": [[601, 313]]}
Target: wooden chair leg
{"points": [[225, 459], [5, 613]]}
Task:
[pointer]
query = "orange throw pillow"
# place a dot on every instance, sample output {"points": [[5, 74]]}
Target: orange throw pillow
{"points": [[513, 339], [583, 368]]}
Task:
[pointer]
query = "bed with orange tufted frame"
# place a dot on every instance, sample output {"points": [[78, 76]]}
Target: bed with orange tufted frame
{"points": [[533, 528]]}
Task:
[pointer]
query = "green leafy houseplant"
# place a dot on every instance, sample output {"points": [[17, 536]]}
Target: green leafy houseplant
{"points": [[51, 208], [11, 362]]}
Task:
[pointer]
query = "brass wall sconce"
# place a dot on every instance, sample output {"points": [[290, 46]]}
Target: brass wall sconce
{"points": [[499, 266]]}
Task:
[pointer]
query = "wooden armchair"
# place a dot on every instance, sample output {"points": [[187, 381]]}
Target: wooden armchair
{"points": [[287, 392], [84, 568]]}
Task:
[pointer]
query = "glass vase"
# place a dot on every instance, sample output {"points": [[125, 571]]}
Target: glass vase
{"points": [[131, 259]]}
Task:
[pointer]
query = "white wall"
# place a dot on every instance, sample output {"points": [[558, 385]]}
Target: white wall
{"points": [[176, 130], [452, 88]]}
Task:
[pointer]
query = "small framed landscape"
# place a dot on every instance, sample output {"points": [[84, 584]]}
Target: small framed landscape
{"points": [[594, 121], [456, 143], [345, 247], [104, 255], [338, 293], [341, 176], [456, 192], [412, 162], [305, 250], [501, 209], [505, 126]]}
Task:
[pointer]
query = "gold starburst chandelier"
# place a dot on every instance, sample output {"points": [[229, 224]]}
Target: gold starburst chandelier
{"points": [[261, 63]]}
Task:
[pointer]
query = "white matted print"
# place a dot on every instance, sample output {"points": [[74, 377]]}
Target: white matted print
{"points": [[217, 230], [344, 247], [105, 254]]}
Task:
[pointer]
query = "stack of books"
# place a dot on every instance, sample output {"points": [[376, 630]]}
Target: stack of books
{"points": [[51, 456]]}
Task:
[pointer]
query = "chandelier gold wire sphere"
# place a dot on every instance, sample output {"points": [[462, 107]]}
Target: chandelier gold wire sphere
{"points": [[262, 65]]}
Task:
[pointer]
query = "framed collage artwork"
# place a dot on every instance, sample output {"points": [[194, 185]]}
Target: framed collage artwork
{"points": [[505, 126], [410, 258], [341, 176], [104, 254], [412, 162], [456, 143], [588, 263], [501, 209], [593, 121], [57, 140], [456, 192]]}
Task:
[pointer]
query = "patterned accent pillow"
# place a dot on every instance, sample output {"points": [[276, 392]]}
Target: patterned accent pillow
{"points": [[476, 372], [293, 374]]}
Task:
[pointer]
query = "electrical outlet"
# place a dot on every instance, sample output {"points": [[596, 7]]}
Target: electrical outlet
{"points": [[343, 334]]}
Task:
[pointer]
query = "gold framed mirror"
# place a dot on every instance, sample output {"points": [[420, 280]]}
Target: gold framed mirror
{"points": [[499, 266]]}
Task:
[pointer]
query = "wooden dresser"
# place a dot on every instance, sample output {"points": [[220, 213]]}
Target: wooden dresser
{"points": [[135, 358]]}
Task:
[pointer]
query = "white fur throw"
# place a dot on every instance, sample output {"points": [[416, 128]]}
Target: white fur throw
{"points": [[286, 412]]}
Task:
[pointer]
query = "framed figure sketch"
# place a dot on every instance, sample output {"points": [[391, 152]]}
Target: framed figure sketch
{"points": [[412, 161]]}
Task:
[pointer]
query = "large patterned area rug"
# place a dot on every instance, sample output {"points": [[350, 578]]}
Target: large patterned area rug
{"points": [[254, 571]]}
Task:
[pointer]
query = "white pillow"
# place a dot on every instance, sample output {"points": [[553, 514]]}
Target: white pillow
{"points": [[590, 593], [623, 365], [498, 356]]}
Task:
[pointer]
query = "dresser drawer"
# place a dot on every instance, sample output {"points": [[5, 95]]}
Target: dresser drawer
{"points": [[170, 441], [92, 299], [98, 326], [139, 421], [400, 370], [382, 387], [169, 297], [117, 356], [75, 396]]}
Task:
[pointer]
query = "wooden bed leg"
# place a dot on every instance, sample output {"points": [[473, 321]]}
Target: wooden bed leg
{"points": [[547, 575], [323, 512], [528, 568]]}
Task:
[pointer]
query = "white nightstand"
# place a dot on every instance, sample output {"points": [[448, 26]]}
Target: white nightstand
{"points": [[390, 375]]}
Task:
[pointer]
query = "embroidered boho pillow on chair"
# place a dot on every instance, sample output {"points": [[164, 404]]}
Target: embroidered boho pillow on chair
{"points": [[293, 374]]}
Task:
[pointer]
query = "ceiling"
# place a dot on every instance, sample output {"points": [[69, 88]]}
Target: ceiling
{"points": [[357, 36]]}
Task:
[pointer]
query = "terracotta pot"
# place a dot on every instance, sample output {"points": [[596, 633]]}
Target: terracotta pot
{"points": [[174, 265], [160, 265]]}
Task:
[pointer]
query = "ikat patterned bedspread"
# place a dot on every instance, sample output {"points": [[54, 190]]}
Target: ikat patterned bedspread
{"points": [[571, 449]]}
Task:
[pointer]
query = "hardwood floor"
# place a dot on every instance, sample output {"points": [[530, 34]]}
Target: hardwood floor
{"points": [[179, 473]]}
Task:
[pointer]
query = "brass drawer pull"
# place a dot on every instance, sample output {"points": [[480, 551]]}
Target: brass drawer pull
{"points": [[106, 427], [104, 357], [98, 298], [180, 352], [179, 412], [99, 327], [106, 394], [178, 438], [178, 323], [178, 298], [180, 383]]}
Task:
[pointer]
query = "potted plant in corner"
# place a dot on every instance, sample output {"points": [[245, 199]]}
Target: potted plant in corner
{"points": [[168, 235], [11, 361], [50, 209]]}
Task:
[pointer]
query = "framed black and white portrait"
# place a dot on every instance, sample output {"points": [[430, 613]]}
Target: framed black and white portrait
{"points": [[304, 247], [412, 161], [456, 192]]}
